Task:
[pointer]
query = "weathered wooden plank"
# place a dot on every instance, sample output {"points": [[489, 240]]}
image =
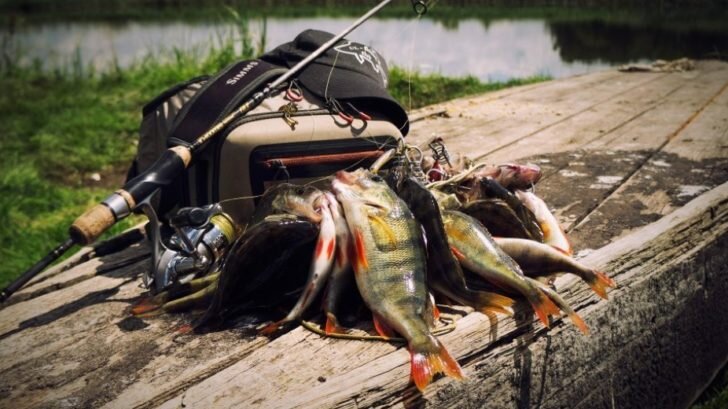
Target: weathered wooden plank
{"points": [[171, 364], [635, 109], [82, 255], [379, 375], [478, 128], [92, 267], [667, 177]]}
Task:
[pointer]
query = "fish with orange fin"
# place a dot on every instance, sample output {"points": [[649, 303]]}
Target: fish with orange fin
{"points": [[475, 249], [389, 267], [539, 260], [444, 274], [180, 297], [321, 263], [565, 307], [552, 233], [341, 278]]}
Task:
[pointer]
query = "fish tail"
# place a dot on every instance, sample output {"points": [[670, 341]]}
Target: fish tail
{"points": [[578, 322], [271, 328], [599, 282], [500, 302], [332, 325], [543, 307], [148, 307], [427, 363], [497, 303]]}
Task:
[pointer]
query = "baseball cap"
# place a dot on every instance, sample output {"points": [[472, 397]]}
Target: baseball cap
{"points": [[348, 72]]}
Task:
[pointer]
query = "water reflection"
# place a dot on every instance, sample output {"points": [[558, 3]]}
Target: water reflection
{"points": [[497, 50]]}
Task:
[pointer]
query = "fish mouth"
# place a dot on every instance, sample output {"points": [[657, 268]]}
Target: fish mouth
{"points": [[530, 173], [345, 177]]}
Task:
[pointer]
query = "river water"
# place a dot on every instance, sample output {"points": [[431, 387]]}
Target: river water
{"points": [[493, 50]]}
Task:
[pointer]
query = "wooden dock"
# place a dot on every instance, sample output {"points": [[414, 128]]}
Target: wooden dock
{"points": [[636, 166]]}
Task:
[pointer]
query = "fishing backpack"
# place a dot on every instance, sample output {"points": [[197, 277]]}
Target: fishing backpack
{"points": [[336, 114]]}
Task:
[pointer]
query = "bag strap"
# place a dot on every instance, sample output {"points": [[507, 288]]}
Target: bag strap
{"points": [[220, 96]]}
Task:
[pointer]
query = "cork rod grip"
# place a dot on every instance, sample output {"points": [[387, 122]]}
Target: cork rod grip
{"points": [[90, 225]]}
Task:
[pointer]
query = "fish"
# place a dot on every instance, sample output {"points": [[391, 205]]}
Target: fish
{"points": [[390, 270], [515, 176], [553, 235], [538, 260], [446, 201], [179, 297], [563, 305], [321, 264], [341, 280], [445, 275], [286, 199], [475, 249], [269, 248], [498, 218]]}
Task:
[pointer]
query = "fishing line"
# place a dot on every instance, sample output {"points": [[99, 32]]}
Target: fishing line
{"points": [[233, 199]]}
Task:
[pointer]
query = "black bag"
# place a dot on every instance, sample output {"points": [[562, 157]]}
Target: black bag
{"points": [[309, 128]]}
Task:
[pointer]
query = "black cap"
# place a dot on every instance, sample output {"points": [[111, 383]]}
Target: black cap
{"points": [[348, 72]]}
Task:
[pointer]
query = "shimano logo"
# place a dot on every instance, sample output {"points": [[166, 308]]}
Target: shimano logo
{"points": [[242, 73]]}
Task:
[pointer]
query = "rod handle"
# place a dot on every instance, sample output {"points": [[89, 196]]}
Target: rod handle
{"points": [[91, 224]]}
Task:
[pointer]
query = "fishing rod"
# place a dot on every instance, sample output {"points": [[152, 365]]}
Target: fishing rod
{"points": [[173, 162]]}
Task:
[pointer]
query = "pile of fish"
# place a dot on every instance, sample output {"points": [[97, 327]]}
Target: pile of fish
{"points": [[398, 242]]}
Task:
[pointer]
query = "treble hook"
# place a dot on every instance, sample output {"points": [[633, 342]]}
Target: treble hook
{"points": [[420, 7]]}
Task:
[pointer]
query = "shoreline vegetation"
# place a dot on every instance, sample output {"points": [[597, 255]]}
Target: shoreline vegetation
{"points": [[69, 133], [675, 11]]}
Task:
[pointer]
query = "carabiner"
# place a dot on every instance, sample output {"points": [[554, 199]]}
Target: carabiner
{"points": [[364, 117], [336, 108], [293, 93]]}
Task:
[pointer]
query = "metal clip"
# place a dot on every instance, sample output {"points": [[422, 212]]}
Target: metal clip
{"points": [[336, 108], [364, 117], [293, 93], [439, 151], [413, 155], [288, 110]]}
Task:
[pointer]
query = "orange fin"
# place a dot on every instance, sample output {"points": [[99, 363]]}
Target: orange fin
{"points": [[497, 303], [185, 329], [271, 328], [600, 282], [579, 323], [560, 250], [383, 329], [384, 227], [360, 252], [425, 365], [149, 306], [544, 307], [332, 325]]}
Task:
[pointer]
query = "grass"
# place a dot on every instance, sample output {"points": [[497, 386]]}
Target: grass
{"points": [[59, 128], [716, 395]]}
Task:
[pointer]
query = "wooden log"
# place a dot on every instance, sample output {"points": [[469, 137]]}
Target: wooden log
{"points": [[73, 343], [685, 251]]}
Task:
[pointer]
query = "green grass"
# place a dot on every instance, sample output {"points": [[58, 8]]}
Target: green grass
{"points": [[59, 127], [716, 395], [416, 90]]}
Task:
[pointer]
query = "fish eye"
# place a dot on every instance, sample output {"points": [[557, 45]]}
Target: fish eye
{"points": [[377, 178]]}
